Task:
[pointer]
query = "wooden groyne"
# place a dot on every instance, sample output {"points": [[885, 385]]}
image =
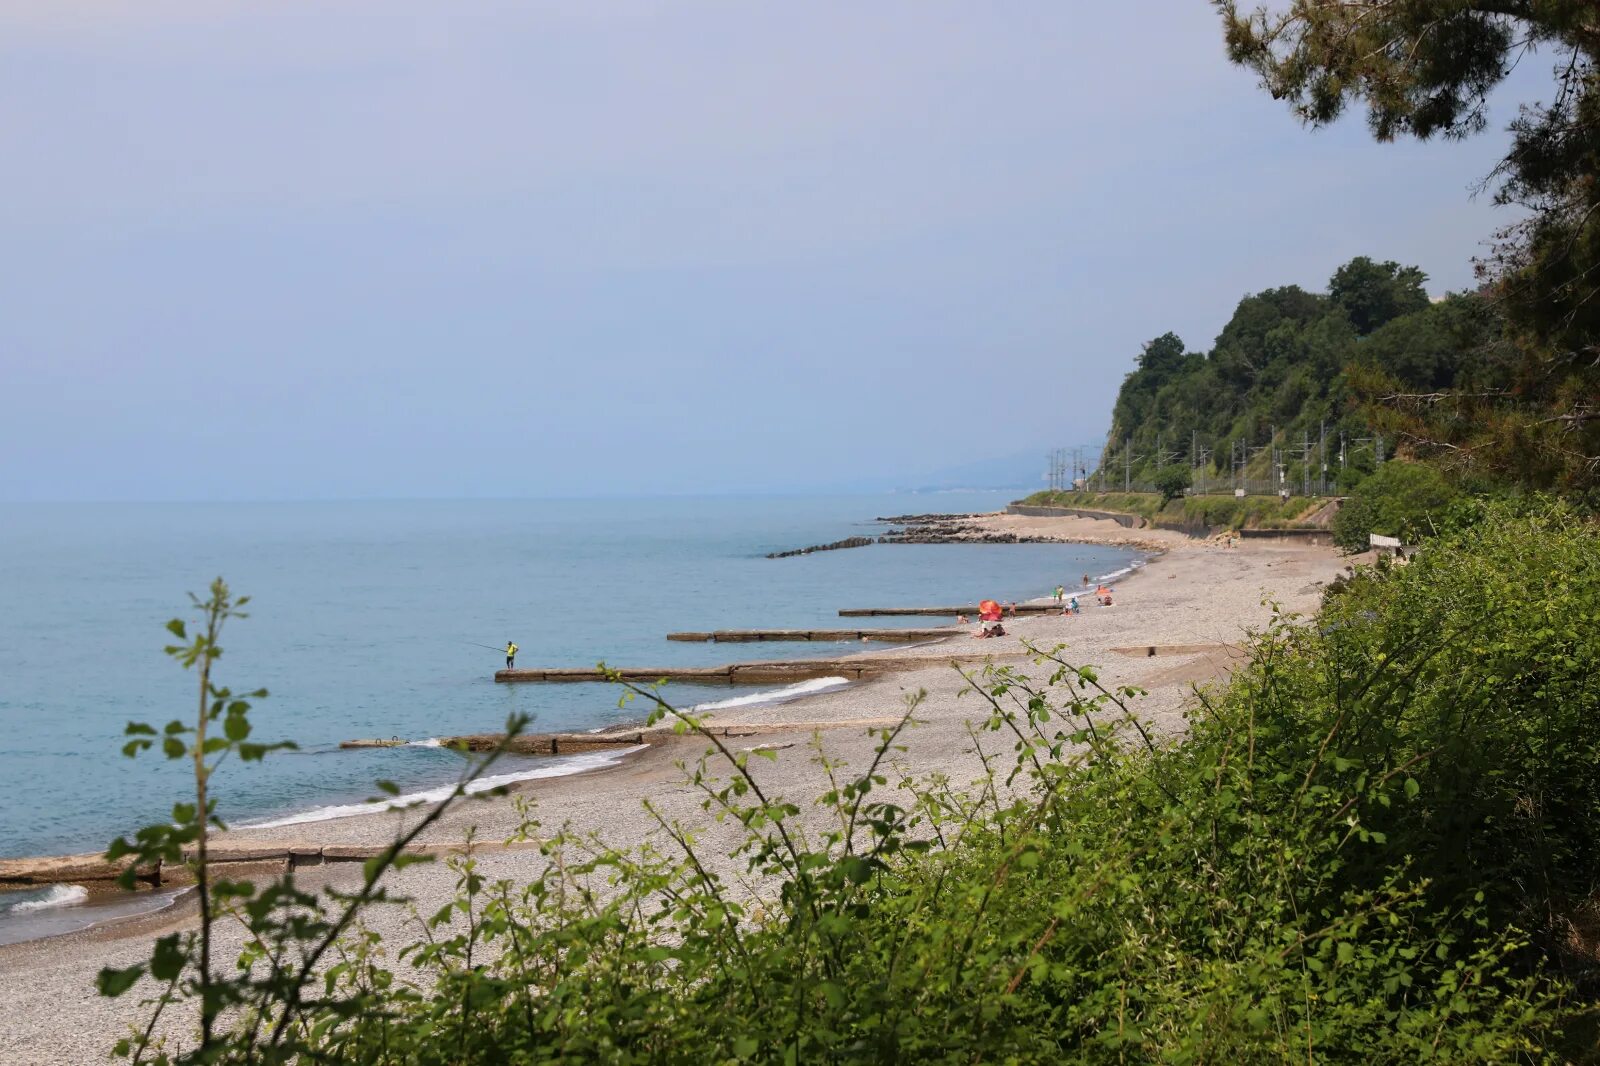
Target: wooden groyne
{"points": [[733, 674], [971, 611], [779, 672], [753, 636]]}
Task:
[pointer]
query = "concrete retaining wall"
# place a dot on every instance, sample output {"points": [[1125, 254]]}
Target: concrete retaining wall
{"points": [[1129, 521]]}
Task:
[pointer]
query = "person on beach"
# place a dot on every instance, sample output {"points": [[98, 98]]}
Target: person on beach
{"points": [[1085, 580], [1073, 606], [1059, 593], [511, 655]]}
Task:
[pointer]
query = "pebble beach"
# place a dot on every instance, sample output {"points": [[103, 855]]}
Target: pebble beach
{"points": [[1193, 603]]}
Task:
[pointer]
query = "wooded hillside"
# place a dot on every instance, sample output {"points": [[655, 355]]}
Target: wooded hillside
{"points": [[1299, 371]]}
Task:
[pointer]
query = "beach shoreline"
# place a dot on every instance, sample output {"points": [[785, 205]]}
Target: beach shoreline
{"points": [[1055, 530], [1190, 605]]}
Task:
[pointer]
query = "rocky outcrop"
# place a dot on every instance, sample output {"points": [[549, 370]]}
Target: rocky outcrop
{"points": [[950, 529], [923, 519]]}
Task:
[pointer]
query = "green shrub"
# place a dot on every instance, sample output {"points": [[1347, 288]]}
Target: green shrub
{"points": [[1405, 500], [1490, 640], [1172, 482]]}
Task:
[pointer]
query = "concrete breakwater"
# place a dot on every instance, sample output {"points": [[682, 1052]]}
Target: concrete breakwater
{"points": [[233, 858], [776, 672], [970, 610], [611, 740], [526, 744], [754, 636]]}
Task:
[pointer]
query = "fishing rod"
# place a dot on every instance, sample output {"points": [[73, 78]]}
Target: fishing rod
{"points": [[475, 644]]}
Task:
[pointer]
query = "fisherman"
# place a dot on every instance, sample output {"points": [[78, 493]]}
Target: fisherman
{"points": [[511, 655]]}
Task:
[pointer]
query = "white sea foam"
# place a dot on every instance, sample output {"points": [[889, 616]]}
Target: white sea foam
{"points": [[431, 742], [777, 695], [558, 767], [1131, 568], [54, 896]]}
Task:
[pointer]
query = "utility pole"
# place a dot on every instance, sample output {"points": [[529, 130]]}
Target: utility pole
{"points": [[1305, 462], [1127, 467], [1322, 459], [1274, 471]]}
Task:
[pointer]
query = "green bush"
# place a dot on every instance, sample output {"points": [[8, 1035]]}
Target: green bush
{"points": [[1172, 481], [1405, 500], [1375, 845], [1491, 640]]}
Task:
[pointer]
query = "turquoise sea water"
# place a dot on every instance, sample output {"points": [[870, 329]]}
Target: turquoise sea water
{"points": [[365, 616]]}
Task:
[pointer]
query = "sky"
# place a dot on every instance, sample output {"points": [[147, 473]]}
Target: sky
{"points": [[285, 250]]}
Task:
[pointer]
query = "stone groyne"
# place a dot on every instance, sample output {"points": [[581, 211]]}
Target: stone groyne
{"points": [[848, 542]]}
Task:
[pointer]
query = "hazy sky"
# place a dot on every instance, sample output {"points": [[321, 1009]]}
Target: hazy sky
{"points": [[293, 250]]}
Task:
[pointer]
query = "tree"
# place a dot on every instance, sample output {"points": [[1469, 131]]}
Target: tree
{"points": [[1171, 483], [1425, 68], [1374, 294], [1161, 357], [1435, 348]]}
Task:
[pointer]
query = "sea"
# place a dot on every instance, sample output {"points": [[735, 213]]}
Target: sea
{"points": [[385, 619]]}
